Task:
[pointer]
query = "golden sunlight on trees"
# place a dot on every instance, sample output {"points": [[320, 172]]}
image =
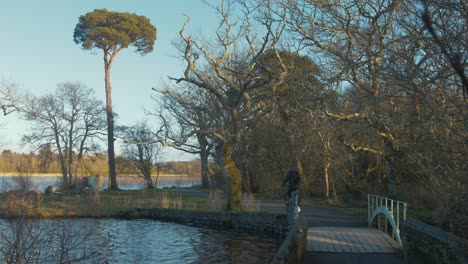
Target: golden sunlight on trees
{"points": [[183, 110], [112, 32], [366, 96], [226, 67], [141, 150], [69, 122]]}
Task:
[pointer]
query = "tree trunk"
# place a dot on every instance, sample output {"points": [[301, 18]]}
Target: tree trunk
{"points": [[149, 183], [204, 170], [327, 182], [392, 175], [220, 163], [293, 148], [147, 174], [110, 131], [80, 152], [70, 150], [234, 181], [62, 162], [79, 159], [390, 153], [304, 186], [203, 160], [248, 182], [335, 196]]}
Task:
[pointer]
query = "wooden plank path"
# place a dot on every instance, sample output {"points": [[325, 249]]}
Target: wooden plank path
{"points": [[349, 240]]}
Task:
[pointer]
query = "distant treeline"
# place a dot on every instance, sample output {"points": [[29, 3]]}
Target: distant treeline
{"points": [[46, 162]]}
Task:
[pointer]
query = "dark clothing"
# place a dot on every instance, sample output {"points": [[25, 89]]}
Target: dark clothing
{"points": [[292, 178]]}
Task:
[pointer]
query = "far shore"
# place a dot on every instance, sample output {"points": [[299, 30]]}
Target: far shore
{"points": [[10, 174]]}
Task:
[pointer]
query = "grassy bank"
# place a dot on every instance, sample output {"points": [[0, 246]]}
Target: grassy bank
{"points": [[108, 203], [99, 204]]}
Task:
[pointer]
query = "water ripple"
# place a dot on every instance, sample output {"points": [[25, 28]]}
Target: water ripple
{"points": [[148, 241]]}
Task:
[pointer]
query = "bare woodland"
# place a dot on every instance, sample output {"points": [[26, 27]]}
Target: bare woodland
{"points": [[67, 122], [142, 151], [358, 96]]}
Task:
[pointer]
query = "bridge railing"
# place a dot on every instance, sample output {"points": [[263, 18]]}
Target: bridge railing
{"points": [[395, 212]]}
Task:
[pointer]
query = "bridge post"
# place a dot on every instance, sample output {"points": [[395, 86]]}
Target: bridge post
{"points": [[292, 208]]}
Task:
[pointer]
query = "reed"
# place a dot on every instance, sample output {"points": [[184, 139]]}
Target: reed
{"points": [[98, 204], [18, 203], [171, 200], [215, 201], [250, 203]]}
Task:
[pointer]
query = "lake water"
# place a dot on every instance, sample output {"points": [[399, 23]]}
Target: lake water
{"points": [[149, 241], [163, 182]]}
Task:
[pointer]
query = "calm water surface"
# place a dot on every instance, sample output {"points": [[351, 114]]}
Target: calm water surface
{"points": [[163, 182], [148, 241]]}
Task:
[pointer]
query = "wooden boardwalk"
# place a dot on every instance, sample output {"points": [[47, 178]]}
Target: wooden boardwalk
{"points": [[344, 239]]}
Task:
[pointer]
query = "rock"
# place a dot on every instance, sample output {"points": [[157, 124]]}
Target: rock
{"points": [[50, 189]]}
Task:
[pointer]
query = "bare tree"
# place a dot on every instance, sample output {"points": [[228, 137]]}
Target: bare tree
{"points": [[354, 39], [70, 122], [448, 31], [183, 110], [141, 149], [397, 68], [10, 97], [226, 67], [46, 158]]}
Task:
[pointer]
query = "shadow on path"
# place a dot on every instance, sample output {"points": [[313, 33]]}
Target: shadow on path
{"points": [[321, 216], [353, 258]]}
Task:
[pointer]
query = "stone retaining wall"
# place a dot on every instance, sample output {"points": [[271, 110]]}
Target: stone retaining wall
{"points": [[439, 245], [262, 222]]}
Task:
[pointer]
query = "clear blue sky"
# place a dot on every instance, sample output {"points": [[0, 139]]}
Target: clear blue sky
{"points": [[37, 52]]}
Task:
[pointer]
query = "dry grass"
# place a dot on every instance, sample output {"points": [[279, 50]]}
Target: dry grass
{"points": [[133, 179], [170, 200], [98, 204], [18, 203], [249, 203], [215, 201]]}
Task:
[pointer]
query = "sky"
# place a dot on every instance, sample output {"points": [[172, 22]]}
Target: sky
{"points": [[37, 52]]}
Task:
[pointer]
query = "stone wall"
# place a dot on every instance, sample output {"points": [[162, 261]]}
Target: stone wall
{"points": [[294, 246], [261, 222], [438, 245]]}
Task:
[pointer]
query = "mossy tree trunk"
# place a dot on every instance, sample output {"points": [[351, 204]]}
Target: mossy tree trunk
{"points": [[234, 179]]}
